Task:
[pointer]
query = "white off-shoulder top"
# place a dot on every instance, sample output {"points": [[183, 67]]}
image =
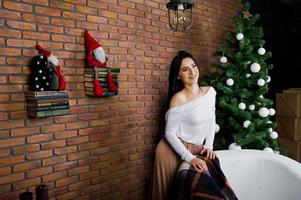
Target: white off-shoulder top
{"points": [[193, 122]]}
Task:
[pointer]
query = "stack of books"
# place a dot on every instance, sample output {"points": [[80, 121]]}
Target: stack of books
{"points": [[47, 103], [89, 77]]}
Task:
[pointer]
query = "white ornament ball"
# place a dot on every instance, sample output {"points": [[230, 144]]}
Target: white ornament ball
{"points": [[268, 79], [261, 51], [269, 122], [261, 96], [272, 111], [248, 75], [230, 82], [234, 146], [268, 149], [274, 135], [270, 130], [260, 82], [217, 128], [247, 123], [263, 112], [223, 59], [242, 106], [255, 67], [239, 36], [248, 62], [252, 107]]}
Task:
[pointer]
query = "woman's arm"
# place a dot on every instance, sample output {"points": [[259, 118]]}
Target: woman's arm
{"points": [[172, 124]]}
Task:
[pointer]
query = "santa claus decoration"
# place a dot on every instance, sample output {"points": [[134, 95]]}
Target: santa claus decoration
{"points": [[96, 58], [54, 65]]}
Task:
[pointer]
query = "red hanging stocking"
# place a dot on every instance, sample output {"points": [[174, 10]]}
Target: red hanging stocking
{"points": [[98, 91], [62, 80], [111, 86]]}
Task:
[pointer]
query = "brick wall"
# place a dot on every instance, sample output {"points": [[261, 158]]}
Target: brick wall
{"points": [[104, 148]]}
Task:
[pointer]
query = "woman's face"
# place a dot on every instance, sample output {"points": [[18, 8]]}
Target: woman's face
{"points": [[189, 72]]}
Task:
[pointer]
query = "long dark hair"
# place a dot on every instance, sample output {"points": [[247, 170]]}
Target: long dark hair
{"points": [[175, 84]]}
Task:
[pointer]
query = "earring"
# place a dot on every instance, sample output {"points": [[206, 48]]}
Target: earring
{"points": [[178, 78]]}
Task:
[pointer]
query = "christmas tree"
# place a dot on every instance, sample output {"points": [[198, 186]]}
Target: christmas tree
{"points": [[244, 115]]}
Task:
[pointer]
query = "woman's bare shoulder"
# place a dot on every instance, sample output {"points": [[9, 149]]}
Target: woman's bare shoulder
{"points": [[178, 99]]}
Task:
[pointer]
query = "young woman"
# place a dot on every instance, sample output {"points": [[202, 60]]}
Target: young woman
{"points": [[189, 131]]}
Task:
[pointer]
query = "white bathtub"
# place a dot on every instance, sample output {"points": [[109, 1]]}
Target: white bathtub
{"points": [[259, 175]]}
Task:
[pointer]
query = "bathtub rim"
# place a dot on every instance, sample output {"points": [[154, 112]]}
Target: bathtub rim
{"points": [[292, 165]]}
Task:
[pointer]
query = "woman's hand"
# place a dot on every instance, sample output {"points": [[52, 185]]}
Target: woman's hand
{"points": [[199, 165], [210, 153]]}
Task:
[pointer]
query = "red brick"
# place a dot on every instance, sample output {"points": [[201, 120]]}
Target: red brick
{"points": [[63, 38], [5, 171], [77, 125], [11, 178], [76, 156], [64, 166], [11, 160], [65, 134], [78, 140], [39, 138], [54, 176], [65, 150], [62, 22], [62, 5], [34, 35], [99, 122], [47, 11], [5, 189], [68, 195], [27, 166], [26, 183], [8, 14], [88, 175], [10, 33], [96, 19], [25, 149], [12, 142], [53, 128], [78, 170], [4, 152], [20, 43], [21, 25], [39, 155], [50, 28], [38, 172], [53, 144], [10, 51], [38, 2], [86, 10], [54, 160], [17, 6], [88, 146], [24, 131], [79, 185], [35, 18], [11, 124]]}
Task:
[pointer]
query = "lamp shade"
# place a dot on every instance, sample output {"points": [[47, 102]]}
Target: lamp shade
{"points": [[180, 14], [173, 4]]}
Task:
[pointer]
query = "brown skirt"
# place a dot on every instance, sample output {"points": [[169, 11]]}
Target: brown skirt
{"points": [[166, 164]]}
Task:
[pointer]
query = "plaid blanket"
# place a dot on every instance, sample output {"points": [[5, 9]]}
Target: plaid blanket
{"points": [[210, 185]]}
